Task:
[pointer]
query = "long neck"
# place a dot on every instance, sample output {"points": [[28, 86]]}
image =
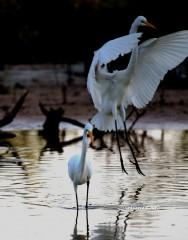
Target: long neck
{"points": [[83, 154], [134, 27]]}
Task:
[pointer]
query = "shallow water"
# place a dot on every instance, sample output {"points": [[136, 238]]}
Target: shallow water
{"points": [[37, 199]]}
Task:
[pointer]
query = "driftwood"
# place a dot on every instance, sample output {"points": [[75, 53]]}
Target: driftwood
{"points": [[55, 116], [51, 128], [9, 117], [139, 114]]}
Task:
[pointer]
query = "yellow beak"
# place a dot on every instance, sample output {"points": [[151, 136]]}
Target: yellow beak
{"points": [[148, 24], [91, 136]]}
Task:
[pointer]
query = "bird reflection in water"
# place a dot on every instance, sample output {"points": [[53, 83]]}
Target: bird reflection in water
{"points": [[75, 235], [120, 212]]}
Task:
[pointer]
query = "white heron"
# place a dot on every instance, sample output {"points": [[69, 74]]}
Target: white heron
{"points": [[79, 167], [113, 92]]}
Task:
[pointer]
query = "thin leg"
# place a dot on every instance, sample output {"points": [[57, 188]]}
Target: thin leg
{"points": [[118, 143], [75, 227], [87, 223], [87, 194], [132, 151], [76, 216], [75, 189], [123, 116]]}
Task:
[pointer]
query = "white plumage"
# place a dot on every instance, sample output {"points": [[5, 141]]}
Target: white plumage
{"points": [[138, 82], [79, 167], [109, 51]]}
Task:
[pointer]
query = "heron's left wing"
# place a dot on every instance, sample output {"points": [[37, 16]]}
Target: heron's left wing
{"points": [[93, 86], [108, 52], [149, 64], [119, 46]]}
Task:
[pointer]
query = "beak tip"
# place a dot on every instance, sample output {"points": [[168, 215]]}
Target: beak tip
{"points": [[91, 137], [148, 24]]}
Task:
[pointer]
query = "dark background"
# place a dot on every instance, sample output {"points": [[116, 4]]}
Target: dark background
{"points": [[65, 31]]}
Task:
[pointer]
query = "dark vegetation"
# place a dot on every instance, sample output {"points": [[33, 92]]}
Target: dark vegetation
{"points": [[68, 31]]}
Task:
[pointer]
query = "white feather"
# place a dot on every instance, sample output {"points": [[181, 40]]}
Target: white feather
{"points": [[119, 46], [105, 122], [109, 51], [136, 84], [79, 166], [154, 60]]}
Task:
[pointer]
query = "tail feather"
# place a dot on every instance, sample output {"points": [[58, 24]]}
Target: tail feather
{"points": [[106, 122]]}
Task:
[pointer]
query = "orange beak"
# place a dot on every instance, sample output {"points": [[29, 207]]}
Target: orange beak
{"points": [[91, 136], [148, 24]]}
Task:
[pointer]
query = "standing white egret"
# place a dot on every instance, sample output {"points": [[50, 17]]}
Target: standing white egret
{"points": [[79, 167], [113, 92]]}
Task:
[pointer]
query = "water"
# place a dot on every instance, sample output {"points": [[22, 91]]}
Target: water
{"points": [[37, 199]]}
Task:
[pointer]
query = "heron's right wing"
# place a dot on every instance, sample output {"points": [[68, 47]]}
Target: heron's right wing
{"points": [[152, 60]]}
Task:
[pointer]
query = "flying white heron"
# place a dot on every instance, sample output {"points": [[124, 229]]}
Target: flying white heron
{"points": [[79, 167], [113, 92]]}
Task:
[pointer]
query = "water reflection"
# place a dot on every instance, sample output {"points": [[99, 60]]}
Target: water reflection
{"points": [[122, 216], [38, 195], [76, 235]]}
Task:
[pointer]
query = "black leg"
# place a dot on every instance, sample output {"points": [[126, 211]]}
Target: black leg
{"points": [[75, 189], [124, 119], [132, 151], [87, 222], [87, 194], [118, 143], [138, 115], [76, 217]]}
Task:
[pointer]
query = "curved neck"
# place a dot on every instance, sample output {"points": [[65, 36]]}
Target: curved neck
{"points": [[134, 27], [83, 154]]}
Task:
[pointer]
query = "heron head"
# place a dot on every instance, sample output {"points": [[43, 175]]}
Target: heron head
{"points": [[142, 21], [88, 130]]}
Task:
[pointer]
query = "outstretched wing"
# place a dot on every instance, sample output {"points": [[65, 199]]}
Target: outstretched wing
{"points": [[108, 52], [119, 46], [93, 85], [154, 59]]}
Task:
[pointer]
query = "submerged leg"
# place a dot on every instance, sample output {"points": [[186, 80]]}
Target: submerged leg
{"points": [[76, 219], [75, 226], [132, 151], [87, 222], [75, 189], [118, 143], [87, 194]]}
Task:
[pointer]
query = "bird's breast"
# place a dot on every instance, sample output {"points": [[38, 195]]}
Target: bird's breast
{"points": [[83, 177], [114, 95]]}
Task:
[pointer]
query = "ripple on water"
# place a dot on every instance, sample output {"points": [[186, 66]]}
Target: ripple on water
{"points": [[35, 183]]}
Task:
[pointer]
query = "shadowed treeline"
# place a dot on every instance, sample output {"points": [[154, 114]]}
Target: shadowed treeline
{"points": [[68, 31]]}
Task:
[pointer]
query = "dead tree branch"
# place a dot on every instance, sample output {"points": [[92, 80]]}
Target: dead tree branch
{"points": [[9, 117]]}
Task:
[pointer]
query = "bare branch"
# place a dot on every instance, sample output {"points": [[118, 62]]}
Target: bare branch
{"points": [[9, 117]]}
